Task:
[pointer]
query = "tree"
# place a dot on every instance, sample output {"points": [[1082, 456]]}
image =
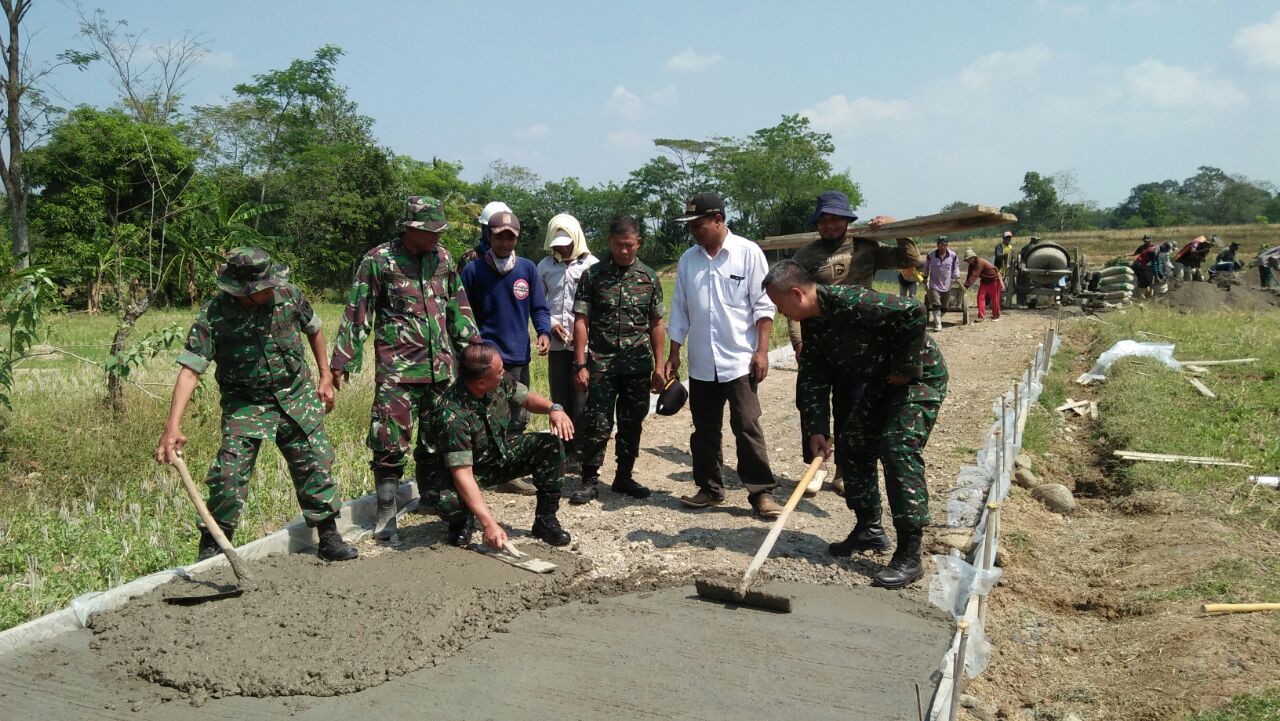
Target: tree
{"points": [[1038, 209]]}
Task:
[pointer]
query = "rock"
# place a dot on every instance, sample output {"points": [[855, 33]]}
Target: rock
{"points": [[1056, 497], [979, 710], [1025, 478], [959, 539], [1022, 460]]}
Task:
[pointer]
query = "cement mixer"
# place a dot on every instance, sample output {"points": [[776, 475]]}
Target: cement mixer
{"points": [[1043, 274]]}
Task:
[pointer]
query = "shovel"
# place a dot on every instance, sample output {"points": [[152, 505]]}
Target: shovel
{"points": [[243, 580]]}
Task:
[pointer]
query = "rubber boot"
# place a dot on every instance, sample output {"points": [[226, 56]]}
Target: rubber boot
{"points": [[589, 491], [905, 566], [384, 525], [461, 527], [428, 495], [937, 320], [867, 535], [624, 483], [545, 524], [208, 546], [332, 545]]}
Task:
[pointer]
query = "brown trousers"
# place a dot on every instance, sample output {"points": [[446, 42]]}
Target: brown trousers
{"points": [[706, 403]]}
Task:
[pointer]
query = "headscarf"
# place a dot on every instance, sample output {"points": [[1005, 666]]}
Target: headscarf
{"points": [[569, 225]]}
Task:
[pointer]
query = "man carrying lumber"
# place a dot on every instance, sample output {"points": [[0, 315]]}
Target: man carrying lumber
{"points": [[409, 293], [252, 331], [835, 259], [877, 339], [470, 428]]}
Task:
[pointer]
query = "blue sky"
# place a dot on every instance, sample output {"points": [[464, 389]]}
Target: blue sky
{"points": [[928, 102]]}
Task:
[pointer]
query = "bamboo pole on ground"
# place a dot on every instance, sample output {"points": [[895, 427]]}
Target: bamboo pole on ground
{"points": [[957, 670]]}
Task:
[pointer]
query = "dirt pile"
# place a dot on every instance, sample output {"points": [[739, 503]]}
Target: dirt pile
{"points": [[1193, 297]]}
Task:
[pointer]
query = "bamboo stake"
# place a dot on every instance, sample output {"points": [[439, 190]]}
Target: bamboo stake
{"points": [[957, 670]]}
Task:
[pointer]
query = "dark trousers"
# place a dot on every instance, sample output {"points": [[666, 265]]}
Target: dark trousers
{"points": [[844, 394], [610, 394], [566, 393], [519, 374], [706, 404]]}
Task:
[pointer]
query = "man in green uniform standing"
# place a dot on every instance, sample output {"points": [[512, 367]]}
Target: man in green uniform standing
{"points": [[470, 425], [408, 292], [876, 339], [252, 331], [618, 314]]}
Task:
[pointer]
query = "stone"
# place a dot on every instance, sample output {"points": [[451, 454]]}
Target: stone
{"points": [[959, 539], [1022, 460], [977, 709], [1024, 478], [1055, 496]]}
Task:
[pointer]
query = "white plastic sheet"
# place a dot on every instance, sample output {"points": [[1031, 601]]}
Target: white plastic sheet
{"points": [[1162, 352]]}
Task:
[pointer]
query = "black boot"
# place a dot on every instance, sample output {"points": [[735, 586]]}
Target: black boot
{"points": [[589, 491], [867, 535], [461, 525], [624, 483], [905, 567], [545, 524], [384, 525], [208, 546], [332, 547]]}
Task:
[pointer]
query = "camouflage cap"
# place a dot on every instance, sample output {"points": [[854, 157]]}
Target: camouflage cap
{"points": [[249, 270], [424, 213]]}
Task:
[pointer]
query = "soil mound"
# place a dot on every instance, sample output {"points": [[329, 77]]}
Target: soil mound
{"points": [[1192, 297]]}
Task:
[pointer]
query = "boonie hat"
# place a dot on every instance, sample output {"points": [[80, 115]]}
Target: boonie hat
{"points": [[424, 213], [832, 202], [249, 270], [672, 398], [968, 253], [700, 205], [504, 220]]}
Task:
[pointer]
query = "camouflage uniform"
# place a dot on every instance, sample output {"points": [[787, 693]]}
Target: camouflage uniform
{"points": [[866, 336], [619, 305], [267, 393], [420, 318], [470, 431]]}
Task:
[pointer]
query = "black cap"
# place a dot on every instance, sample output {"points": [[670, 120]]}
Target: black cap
{"points": [[672, 398], [700, 205]]}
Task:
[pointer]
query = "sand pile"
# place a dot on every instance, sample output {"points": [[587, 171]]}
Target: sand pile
{"points": [[1191, 297]]}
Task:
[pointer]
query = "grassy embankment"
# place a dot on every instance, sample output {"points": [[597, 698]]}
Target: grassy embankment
{"points": [[83, 506], [1147, 407]]}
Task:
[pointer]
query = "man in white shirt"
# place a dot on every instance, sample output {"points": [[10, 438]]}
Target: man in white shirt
{"points": [[561, 270], [722, 314]]}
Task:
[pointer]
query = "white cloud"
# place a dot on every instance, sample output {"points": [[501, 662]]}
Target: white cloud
{"points": [[536, 131], [1003, 66], [1260, 44], [839, 113], [624, 102], [692, 61], [628, 139], [1169, 86]]}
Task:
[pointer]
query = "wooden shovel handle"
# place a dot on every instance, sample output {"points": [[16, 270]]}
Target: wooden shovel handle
{"points": [[210, 525], [778, 525], [1239, 607]]}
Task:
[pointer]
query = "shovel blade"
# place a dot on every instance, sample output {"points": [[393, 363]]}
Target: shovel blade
{"points": [[196, 600]]}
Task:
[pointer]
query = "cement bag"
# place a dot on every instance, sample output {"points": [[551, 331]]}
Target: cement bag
{"points": [[1115, 270], [1111, 286], [1117, 295]]}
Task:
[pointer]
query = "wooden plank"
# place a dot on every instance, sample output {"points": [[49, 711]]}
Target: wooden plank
{"points": [[1219, 362], [1204, 389], [1071, 405], [1170, 458], [1198, 370], [1093, 410], [970, 218]]}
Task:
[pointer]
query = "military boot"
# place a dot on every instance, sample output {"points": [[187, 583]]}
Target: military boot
{"points": [[209, 546], [905, 566], [589, 491], [384, 525], [867, 535], [624, 483], [332, 545], [461, 527], [545, 524]]}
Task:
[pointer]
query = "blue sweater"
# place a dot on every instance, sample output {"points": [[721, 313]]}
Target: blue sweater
{"points": [[503, 304]]}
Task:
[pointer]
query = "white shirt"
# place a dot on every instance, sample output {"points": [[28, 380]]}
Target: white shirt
{"points": [[715, 306], [560, 279]]}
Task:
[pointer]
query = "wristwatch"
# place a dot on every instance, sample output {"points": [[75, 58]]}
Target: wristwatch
{"points": [[555, 407], [577, 366]]}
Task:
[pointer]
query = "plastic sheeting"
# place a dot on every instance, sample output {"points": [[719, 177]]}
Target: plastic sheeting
{"points": [[1162, 352]]}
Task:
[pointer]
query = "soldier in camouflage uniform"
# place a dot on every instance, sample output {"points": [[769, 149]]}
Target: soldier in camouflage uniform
{"points": [[253, 331], [469, 427], [835, 259], [618, 313], [877, 339], [409, 293]]}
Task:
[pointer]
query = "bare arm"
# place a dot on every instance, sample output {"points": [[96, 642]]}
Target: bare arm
{"points": [[760, 359], [657, 337], [561, 424], [172, 440], [464, 482]]}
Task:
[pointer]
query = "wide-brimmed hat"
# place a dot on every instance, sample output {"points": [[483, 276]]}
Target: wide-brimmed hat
{"points": [[249, 270], [832, 202], [968, 253], [424, 213], [700, 205], [672, 398]]}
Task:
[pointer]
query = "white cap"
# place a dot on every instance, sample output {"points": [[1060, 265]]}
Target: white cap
{"points": [[496, 206], [561, 238]]}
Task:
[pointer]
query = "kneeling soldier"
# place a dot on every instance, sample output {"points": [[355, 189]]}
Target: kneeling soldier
{"points": [[251, 332], [879, 339], [469, 428]]}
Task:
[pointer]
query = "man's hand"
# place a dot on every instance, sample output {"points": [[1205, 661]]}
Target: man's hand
{"points": [[560, 333], [820, 445], [898, 380], [543, 343], [657, 382], [672, 366], [880, 220], [759, 366], [494, 536], [340, 379], [561, 425], [582, 379], [171, 443], [324, 389]]}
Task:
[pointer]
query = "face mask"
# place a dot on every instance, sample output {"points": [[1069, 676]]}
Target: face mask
{"points": [[501, 265]]}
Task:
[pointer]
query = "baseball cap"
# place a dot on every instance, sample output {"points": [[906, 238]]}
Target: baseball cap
{"points": [[943, 239], [504, 220], [700, 205], [1008, 234], [561, 238]]}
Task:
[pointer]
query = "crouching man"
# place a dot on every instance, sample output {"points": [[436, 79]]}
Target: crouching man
{"points": [[470, 425], [252, 331], [878, 339]]}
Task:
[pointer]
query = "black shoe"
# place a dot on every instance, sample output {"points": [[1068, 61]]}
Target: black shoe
{"points": [[905, 566], [545, 524], [208, 546], [332, 546], [867, 535], [629, 487], [461, 527], [590, 488]]}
